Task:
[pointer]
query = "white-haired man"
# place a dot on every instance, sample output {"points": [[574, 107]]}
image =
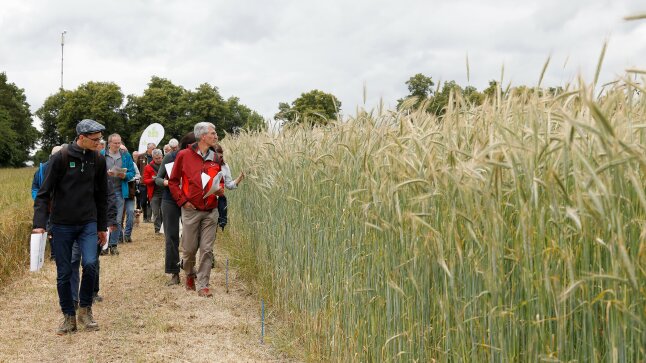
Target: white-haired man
{"points": [[199, 214], [174, 144]]}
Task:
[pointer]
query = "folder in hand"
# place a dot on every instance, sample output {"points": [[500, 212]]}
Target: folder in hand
{"points": [[216, 184]]}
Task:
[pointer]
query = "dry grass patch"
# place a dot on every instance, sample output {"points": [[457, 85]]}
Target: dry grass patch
{"points": [[141, 319]]}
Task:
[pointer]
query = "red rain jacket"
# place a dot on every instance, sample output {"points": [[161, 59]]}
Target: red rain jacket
{"points": [[187, 170]]}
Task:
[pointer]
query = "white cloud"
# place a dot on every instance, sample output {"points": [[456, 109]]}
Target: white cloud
{"points": [[270, 52]]}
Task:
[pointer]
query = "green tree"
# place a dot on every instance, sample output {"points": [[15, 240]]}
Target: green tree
{"points": [[440, 99], [490, 91], [162, 102], [314, 107], [420, 86], [48, 114], [472, 95], [100, 101], [285, 113], [179, 109], [239, 116], [206, 104], [17, 134]]}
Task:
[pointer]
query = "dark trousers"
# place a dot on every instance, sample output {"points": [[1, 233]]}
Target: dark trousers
{"points": [[142, 201], [171, 215], [64, 237], [98, 269], [157, 214]]}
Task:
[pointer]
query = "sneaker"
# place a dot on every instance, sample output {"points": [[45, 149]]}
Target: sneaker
{"points": [[174, 280], [204, 292], [113, 250], [68, 325], [86, 320], [190, 282], [97, 297]]}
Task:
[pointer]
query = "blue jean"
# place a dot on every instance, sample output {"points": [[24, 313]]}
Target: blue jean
{"points": [[130, 216], [75, 280], [63, 242], [76, 264], [114, 236]]}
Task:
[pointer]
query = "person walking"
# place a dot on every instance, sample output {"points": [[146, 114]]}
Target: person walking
{"points": [[120, 169], [171, 212], [154, 191], [142, 200], [129, 202], [199, 213], [37, 181], [76, 186]]}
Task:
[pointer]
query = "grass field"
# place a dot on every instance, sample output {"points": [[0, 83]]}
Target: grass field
{"points": [[16, 212], [514, 231]]}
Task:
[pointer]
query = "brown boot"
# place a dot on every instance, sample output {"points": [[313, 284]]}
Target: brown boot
{"points": [[174, 280], [86, 320], [68, 325]]}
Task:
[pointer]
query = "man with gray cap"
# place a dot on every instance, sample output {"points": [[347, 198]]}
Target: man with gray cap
{"points": [[76, 185]]}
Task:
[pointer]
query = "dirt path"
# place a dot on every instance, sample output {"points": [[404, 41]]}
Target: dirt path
{"points": [[140, 318]]}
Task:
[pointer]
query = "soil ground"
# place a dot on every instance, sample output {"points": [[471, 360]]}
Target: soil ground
{"points": [[140, 318]]}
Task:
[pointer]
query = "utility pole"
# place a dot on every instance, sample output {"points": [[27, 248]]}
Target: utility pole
{"points": [[62, 45]]}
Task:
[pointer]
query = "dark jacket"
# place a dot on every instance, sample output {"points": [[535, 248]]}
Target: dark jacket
{"points": [[78, 190], [162, 175]]}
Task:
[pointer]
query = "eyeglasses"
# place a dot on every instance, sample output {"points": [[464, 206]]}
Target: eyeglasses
{"points": [[95, 139]]}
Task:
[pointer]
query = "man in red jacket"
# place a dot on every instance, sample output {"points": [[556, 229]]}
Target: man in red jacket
{"points": [[194, 169]]}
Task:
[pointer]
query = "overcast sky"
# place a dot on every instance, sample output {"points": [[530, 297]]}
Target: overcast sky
{"points": [[266, 52]]}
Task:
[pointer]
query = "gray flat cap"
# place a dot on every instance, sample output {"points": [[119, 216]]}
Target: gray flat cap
{"points": [[88, 126]]}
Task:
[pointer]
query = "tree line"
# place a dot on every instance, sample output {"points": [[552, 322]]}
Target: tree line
{"points": [[174, 107], [178, 109], [318, 108]]}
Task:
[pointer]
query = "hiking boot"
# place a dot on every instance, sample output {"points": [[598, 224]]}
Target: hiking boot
{"points": [[204, 292], [190, 282], [104, 252], [96, 297], [68, 325], [113, 250], [86, 320], [174, 280], [128, 239]]}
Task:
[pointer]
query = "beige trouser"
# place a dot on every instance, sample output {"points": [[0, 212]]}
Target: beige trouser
{"points": [[199, 229]]}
